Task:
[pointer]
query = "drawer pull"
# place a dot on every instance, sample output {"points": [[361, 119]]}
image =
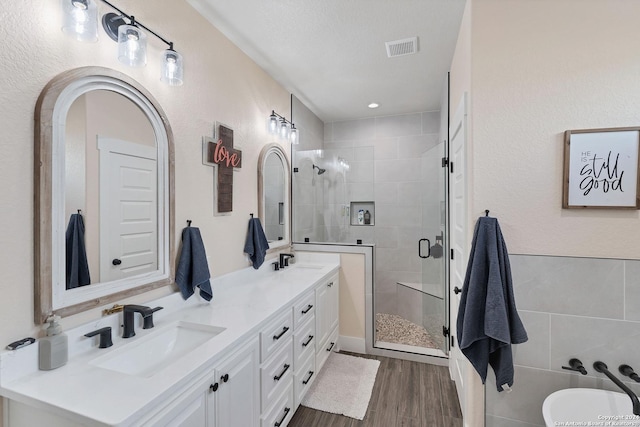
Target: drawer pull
{"points": [[213, 387], [277, 377], [330, 284], [306, 310], [286, 412], [305, 382], [224, 378], [304, 344], [284, 331], [331, 346]]}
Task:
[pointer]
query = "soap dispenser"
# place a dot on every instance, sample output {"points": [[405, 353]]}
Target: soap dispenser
{"points": [[53, 348]]}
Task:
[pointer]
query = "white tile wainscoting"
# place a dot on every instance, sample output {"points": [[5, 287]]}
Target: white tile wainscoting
{"points": [[588, 308]]}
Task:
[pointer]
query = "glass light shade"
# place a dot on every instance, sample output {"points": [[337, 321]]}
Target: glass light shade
{"points": [[273, 123], [80, 19], [284, 130], [172, 72], [293, 135], [132, 46]]}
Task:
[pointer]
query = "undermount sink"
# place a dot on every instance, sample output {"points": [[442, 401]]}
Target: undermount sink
{"points": [[307, 266], [147, 355], [588, 406]]}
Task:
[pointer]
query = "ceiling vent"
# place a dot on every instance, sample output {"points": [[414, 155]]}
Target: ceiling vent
{"points": [[402, 47]]}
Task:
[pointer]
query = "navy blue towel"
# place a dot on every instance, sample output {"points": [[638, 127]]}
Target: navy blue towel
{"points": [[488, 322], [193, 269], [76, 253], [256, 244]]}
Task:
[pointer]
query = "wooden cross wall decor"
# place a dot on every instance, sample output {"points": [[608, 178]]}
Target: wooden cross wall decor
{"points": [[220, 152]]}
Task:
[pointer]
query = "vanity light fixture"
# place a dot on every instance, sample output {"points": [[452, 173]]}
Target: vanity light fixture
{"points": [[285, 128], [132, 45], [80, 22]]}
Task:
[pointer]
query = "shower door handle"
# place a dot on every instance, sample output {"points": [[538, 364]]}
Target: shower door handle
{"points": [[420, 248]]}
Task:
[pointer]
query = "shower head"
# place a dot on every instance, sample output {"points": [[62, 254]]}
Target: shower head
{"points": [[320, 170]]}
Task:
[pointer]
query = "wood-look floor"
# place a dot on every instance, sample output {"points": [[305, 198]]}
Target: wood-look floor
{"points": [[405, 394]]}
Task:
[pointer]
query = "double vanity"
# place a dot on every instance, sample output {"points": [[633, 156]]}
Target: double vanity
{"points": [[245, 359]]}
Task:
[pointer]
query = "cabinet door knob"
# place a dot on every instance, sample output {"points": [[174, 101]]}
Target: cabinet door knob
{"points": [[224, 378], [116, 261], [457, 290], [213, 387]]}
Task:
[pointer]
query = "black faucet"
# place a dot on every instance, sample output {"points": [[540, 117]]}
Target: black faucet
{"points": [[105, 336], [284, 259], [628, 371], [147, 316], [575, 365], [602, 367]]}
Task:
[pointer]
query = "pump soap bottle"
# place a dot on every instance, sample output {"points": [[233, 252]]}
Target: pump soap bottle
{"points": [[54, 348]]}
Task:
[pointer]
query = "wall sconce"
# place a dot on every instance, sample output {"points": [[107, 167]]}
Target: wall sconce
{"points": [[80, 22], [278, 124]]}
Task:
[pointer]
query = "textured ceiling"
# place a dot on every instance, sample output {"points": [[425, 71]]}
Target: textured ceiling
{"points": [[331, 53]]}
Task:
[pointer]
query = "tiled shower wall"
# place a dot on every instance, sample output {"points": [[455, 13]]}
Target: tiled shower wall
{"points": [[384, 156], [586, 308]]}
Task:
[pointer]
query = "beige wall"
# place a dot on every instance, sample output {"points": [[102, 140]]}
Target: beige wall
{"points": [[540, 67], [352, 283], [221, 83]]}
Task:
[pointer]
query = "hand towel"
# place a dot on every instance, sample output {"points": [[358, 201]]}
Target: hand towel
{"points": [[193, 270], [77, 267], [488, 322], [256, 244]]}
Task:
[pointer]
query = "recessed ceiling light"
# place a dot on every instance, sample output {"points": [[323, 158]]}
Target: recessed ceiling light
{"points": [[373, 105]]}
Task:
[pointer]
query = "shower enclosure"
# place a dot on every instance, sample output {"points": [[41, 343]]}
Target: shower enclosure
{"points": [[384, 185]]}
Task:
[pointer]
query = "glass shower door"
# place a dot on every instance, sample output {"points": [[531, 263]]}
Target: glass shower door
{"points": [[432, 250]]}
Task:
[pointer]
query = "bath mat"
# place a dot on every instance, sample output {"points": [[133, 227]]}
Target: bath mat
{"points": [[343, 386]]}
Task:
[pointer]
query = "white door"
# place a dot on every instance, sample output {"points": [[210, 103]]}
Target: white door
{"points": [[128, 209], [458, 230]]}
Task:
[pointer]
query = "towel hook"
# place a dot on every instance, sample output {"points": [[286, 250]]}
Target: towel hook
{"points": [[188, 223], [79, 211], [486, 212], [251, 215]]}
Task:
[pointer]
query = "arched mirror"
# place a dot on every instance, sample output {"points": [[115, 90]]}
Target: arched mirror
{"points": [[104, 192], [274, 195]]}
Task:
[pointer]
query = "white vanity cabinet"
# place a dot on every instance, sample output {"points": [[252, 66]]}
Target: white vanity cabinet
{"points": [[276, 371], [327, 309], [228, 396]]}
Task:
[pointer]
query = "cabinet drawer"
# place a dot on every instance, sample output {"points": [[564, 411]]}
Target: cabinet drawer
{"points": [[330, 345], [304, 309], [280, 413], [277, 373], [303, 379], [275, 333], [304, 342]]}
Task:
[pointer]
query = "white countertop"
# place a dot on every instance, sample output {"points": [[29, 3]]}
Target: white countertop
{"points": [[242, 302]]}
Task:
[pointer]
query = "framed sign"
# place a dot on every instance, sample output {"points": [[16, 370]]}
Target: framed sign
{"points": [[601, 168]]}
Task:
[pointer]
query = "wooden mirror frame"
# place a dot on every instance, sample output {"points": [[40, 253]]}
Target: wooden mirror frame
{"points": [[43, 190]]}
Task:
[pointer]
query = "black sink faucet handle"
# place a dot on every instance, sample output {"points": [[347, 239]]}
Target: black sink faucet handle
{"points": [[628, 371], [105, 336], [148, 318], [575, 365]]}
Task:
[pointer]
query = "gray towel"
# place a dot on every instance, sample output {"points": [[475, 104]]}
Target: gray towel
{"points": [[77, 267], [193, 269], [256, 244], [488, 322]]}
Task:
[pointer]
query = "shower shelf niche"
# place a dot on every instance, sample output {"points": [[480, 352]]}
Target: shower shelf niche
{"points": [[365, 206]]}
